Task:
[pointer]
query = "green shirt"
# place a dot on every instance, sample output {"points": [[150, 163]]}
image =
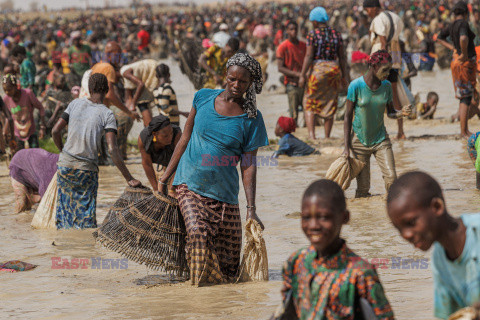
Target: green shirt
{"points": [[80, 58], [331, 287], [369, 107]]}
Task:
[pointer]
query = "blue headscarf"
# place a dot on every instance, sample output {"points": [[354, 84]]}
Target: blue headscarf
{"points": [[319, 14]]}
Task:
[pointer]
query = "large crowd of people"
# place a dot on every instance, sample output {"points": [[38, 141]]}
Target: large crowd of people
{"points": [[84, 81]]}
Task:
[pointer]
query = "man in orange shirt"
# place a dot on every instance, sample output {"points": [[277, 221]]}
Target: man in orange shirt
{"points": [[290, 55]]}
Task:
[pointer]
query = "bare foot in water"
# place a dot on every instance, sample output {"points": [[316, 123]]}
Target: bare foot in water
{"points": [[401, 136]]}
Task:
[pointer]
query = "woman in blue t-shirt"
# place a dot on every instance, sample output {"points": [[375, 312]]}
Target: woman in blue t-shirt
{"points": [[224, 128]]}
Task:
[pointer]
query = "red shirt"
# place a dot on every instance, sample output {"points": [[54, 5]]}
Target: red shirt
{"points": [[292, 56], [144, 38], [278, 37]]}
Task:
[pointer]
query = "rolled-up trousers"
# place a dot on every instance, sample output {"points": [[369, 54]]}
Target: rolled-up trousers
{"points": [[383, 154]]}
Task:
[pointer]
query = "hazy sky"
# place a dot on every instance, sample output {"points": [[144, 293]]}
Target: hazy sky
{"points": [[58, 4]]}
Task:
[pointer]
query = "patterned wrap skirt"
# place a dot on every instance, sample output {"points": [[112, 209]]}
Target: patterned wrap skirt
{"points": [[464, 75], [214, 237], [77, 198], [323, 85], [472, 152]]}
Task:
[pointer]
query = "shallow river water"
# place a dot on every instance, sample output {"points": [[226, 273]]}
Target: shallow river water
{"points": [[107, 293]]}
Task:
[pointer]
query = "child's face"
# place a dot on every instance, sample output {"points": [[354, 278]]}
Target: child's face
{"points": [[432, 101], [321, 223], [278, 130], [416, 224]]}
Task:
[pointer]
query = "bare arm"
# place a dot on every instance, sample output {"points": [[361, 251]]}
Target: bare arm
{"points": [[342, 61], [180, 147], [249, 178], [392, 113], [118, 160], [115, 100], [464, 47], [383, 42], [347, 127], [202, 61], [176, 112], [446, 44], [307, 62], [55, 113], [284, 70], [9, 123], [39, 106], [56, 133], [430, 112], [148, 165], [138, 82]]}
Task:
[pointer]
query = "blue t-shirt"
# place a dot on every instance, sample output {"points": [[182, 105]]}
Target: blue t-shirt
{"points": [[457, 283], [209, 165], [369, 108], [292, 146]]}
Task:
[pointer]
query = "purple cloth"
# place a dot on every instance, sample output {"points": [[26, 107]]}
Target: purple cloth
{"points": [[34, 168]]}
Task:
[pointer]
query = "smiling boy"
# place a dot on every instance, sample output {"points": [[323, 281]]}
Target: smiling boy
{"points": [[327, 279], [416, 206]]}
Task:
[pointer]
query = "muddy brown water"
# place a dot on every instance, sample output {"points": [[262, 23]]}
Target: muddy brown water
{"points": [[132, 293]]}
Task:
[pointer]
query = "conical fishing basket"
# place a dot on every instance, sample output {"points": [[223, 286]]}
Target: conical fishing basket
{"points": [[129, 196], [151, 232]]}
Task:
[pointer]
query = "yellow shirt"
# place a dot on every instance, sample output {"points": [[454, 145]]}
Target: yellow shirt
{"points": [[215, 61]]}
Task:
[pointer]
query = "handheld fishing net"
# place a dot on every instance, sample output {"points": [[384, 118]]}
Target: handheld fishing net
{"points": [[344, 170], [45, 216], [151, 232], [254, 266]]}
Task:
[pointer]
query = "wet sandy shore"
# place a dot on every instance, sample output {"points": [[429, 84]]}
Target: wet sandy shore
{"points": [[112, 293]]}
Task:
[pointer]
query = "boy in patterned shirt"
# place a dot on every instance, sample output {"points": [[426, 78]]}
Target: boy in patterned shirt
{"points": [[327, 280], [165, 97]]}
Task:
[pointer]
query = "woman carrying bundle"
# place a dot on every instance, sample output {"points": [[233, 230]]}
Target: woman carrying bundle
{"points": [[157, 143], [87, 119], [223, 129]]}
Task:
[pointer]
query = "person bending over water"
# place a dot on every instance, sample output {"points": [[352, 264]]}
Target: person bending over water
{"points": [[289, 144], [157, 143]]}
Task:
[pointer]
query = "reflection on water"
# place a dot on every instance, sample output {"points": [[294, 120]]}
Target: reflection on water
{"points": [[107, 293]]}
